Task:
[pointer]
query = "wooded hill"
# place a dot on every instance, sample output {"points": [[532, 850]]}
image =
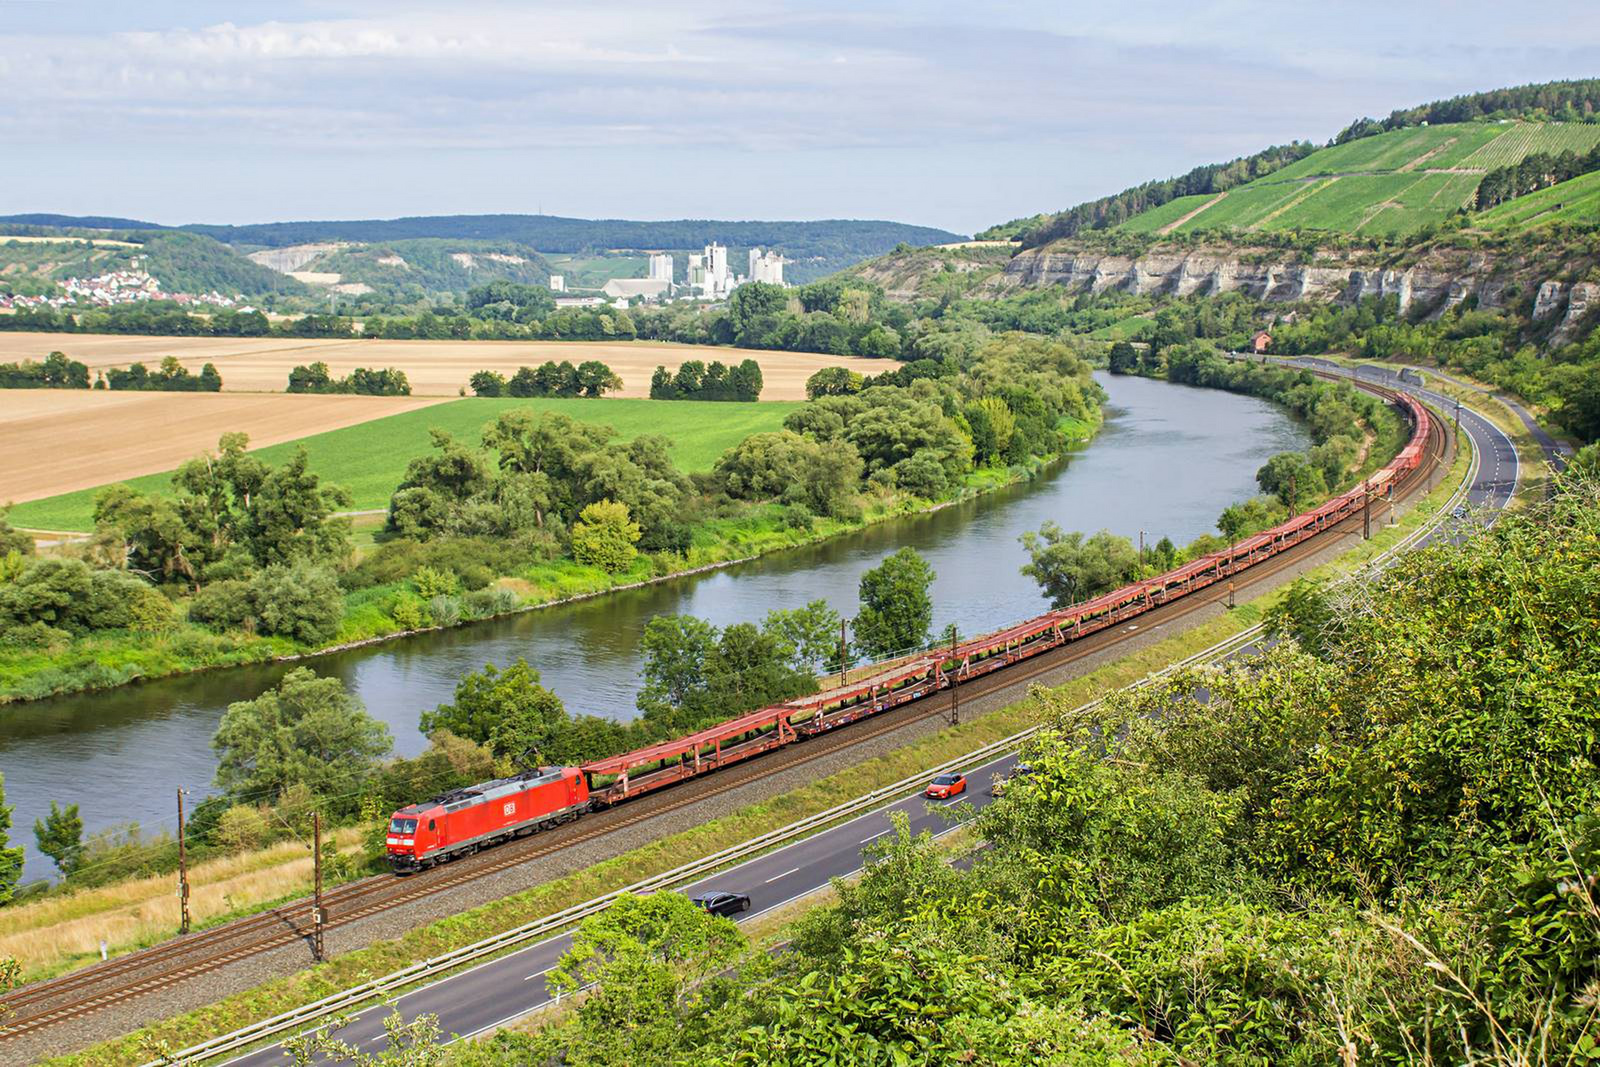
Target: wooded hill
{"points": [[181, 262], [813, 248]]}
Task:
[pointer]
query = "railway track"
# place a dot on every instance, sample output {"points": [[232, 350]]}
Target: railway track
{"points": [[40, 1005]]}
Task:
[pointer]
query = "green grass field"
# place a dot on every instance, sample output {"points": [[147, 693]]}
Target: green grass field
{"points": [[1394, 183], [1577, 200], [370, 459]]}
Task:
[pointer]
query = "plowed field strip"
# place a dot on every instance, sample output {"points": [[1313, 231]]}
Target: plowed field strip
{"points": [[61, 440], [435, 368]]}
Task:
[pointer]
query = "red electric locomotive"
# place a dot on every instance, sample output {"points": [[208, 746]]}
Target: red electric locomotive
{"points": [[460, 822]]}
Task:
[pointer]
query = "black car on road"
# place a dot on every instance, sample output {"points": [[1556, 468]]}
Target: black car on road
{"points": [[723, 903]]}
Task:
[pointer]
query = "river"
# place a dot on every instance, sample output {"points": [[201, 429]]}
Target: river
{"points": [[1167, 461]]}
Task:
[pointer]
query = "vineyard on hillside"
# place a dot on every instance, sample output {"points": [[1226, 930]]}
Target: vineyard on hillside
{"points": [[1392, 183]]}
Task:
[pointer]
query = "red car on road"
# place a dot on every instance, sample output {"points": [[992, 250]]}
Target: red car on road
{"points": [[946, 785]]}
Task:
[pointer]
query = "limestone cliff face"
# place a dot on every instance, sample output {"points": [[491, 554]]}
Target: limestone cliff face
{"points": [[1572, 302], [1264, 276], [1582, 298]]}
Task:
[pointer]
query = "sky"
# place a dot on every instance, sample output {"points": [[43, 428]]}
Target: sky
{"points": [[956, 115]]}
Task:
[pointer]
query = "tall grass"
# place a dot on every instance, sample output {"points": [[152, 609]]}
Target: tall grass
{"points": [[46, 936]]}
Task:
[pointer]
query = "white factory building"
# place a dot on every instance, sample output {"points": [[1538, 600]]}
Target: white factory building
{"points": [[766, 267], [708, 272], [706, 276]]}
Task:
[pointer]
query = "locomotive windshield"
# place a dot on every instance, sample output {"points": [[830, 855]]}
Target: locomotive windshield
{"points": [[403, 826]]}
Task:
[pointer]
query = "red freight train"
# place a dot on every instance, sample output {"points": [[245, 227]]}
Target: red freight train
{"points": [[459, 823], [468, 819]]}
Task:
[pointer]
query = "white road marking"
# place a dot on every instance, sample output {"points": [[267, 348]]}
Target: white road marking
{"points": [[874, 837], [785, 874], [539, 974]]}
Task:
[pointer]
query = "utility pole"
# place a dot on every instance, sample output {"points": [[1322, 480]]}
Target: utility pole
{"points": [[316, 900], [1292, 494], [844, 657], [1458, 413], [1230, 593], [183, 873], [1389, 496], [1141, 554], [1366, 512], [955, 700]]}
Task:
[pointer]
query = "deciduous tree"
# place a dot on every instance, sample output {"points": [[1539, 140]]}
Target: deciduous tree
{"points": [[304, 729], [896, 610], [509, 710], [10, 855], [60, 836], [1070, 568]]}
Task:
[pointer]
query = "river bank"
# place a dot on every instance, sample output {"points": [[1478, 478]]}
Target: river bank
{"points": [[107, 660]]}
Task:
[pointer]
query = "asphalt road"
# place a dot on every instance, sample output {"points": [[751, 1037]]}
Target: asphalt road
{"points": [[1500, 469], [493, 994], [1555, 452]]}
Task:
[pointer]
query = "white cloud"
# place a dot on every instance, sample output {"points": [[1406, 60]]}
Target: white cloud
{"points": [[1075, 98]]}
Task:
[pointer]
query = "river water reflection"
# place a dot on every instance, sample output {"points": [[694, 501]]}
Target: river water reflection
{"points": [[1167, 461]]}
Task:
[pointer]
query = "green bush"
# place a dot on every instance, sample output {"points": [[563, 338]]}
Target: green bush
{"points": [[605, 537], [476, 561], [487, 602], [224, 605], [431, 582], [407, 612], [13, 539], [444, 610], [923, 475], [68, 595], [300, 601]]}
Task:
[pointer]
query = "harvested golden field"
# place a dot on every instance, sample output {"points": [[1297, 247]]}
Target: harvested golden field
{"points": [[58, 440], [435, 368]]}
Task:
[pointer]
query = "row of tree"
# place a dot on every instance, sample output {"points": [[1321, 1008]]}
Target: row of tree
{"points": [[696, 380], [1537, 171], [55, 371], [146, 317], [1566, 101], [1109, 211], [170, 377], [316, 378], [589, 378]]}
